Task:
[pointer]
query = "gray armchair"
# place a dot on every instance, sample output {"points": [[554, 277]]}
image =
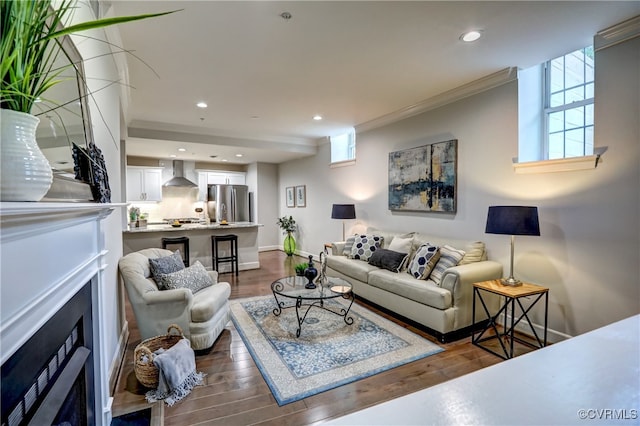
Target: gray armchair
{"points": [[202, 316]]}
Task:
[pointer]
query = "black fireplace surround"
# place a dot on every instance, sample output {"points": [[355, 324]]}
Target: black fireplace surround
{"points": [[50, 379]]}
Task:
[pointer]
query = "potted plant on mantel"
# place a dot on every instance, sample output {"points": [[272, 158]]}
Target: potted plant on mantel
{"points": [[288, 225], [31, 34]]}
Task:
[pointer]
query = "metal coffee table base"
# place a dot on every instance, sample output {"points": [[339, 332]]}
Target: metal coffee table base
{"points": [[302, 308]]}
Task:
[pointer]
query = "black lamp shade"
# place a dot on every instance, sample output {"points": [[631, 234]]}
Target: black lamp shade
{"points": [[343, 211], [513, 220]]}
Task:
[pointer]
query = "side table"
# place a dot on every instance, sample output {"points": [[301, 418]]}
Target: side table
{"points": [[512, 296]]}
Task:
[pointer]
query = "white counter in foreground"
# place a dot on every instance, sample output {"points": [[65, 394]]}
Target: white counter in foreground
{"points": [[590, 379]]}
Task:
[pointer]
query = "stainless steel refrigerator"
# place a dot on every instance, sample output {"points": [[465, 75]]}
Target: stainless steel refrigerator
{"points": [[228, 202]]}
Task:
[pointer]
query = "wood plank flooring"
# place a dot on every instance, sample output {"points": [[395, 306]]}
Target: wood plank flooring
{"points": [[234, 392]]}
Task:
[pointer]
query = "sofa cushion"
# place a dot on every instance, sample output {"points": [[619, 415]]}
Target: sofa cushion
{"points": [[449, 257], [195, 278], [388, 236], [365, 245], [166, 264], [421, 291], [474, 252], [388, 259], [423, 261], [348, 244], [350, 267], [208, 301], [400, 244]]}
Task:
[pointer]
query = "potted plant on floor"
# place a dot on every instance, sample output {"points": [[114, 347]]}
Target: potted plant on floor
{"points": [[31, 33], [288, 225]]}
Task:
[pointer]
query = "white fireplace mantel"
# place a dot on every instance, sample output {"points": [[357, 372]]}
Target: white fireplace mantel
{"points": [[48, 251]]}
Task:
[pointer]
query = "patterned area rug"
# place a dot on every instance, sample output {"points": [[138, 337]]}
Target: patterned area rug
{"points": [[329, 353]]}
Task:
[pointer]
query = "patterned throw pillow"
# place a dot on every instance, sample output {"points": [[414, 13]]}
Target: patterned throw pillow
{"points": [[195, 278], [365, 245], [423, 262], [348, 245], [449, 257], [388, 259], [166, 265]]}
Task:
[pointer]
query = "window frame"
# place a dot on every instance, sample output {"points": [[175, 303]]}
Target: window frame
{"points": [[548, 110]]}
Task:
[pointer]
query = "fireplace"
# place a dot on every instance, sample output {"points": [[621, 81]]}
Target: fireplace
{"points": [[49, 379], [53, 286]]}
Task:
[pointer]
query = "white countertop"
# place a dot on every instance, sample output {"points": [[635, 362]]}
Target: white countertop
{"points": [[192, 227], [591, 379]]}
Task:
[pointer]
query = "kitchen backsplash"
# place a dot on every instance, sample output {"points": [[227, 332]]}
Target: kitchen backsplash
{"points": [[177, 202]]}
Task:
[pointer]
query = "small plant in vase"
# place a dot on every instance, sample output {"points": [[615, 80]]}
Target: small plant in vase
{"points": [[300, 268], [288, 225]]}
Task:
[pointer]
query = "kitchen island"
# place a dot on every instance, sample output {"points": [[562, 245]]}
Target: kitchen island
{"points": [[199, 235]]}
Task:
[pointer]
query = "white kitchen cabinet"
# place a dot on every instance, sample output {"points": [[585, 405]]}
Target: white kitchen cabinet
{"points": [[144, 184], [218, 178]]}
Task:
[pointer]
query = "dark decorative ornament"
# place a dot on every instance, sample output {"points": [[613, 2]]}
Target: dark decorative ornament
{"points": [[91, 168], [310, 273]]}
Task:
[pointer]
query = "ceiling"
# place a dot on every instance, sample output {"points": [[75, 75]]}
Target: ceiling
{"points": [[264, 77]]}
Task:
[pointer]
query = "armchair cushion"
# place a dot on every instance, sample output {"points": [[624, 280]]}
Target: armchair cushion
{"points": [[165, 265], [195, 278]]}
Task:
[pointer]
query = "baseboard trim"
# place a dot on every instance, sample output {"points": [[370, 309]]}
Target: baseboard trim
{"points": [[553, 336], [118, 361]]}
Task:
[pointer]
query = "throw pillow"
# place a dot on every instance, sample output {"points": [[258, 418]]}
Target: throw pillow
{"points": [[365, 245], [195, 278], [388, 259], [474, 253], [166, 264], [403, 245], [348, 245], [449, 257], [423, 262]]}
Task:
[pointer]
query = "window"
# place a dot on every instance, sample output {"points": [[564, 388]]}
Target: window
{"points": [[568, 104], [343, 147]]}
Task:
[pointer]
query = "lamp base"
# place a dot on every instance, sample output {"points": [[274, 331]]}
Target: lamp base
{"points": [[511, 282]]}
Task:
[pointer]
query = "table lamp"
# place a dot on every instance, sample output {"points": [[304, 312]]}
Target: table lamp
{"points": [[343, 211], [512, 220]]}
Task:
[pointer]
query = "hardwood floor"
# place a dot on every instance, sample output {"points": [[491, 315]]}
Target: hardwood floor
{"points": [[234, 392]]}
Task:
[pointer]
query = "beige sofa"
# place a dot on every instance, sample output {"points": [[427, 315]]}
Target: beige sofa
{"points": [[202, 316], [444, 309]]}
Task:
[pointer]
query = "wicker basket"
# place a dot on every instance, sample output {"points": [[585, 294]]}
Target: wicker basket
{"points": [[146, 371]]}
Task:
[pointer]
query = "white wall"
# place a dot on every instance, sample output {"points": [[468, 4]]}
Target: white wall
{"points": [[105, 116], [589, 249], [264, 185]]}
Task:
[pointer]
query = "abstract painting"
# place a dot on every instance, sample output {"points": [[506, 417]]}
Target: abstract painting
{"points": [[424, 178]]}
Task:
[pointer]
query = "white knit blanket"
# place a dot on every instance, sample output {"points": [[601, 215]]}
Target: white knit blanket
{"points": [[177, 373]]}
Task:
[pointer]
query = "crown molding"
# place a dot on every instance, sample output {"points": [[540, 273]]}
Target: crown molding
{"points": [[618, 33], [477, 86]]}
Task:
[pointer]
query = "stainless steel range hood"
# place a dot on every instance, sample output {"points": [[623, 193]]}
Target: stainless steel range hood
{"points": [[178, 178]]}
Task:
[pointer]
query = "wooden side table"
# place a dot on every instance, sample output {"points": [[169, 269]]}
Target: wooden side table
{"points": [[512, 296]]}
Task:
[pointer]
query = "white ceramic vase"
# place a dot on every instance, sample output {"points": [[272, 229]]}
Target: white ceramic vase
{"points": [[25, 173]]}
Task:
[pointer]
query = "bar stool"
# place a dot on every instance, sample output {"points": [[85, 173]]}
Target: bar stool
{"points": [[233, 247], [183, 241]]}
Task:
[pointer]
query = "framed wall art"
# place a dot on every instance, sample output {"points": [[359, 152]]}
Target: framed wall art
{"points": [[301, 196], [290, 196], [424, 178]]}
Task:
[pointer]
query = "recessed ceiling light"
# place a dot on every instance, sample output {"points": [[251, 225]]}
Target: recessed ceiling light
{"points": [[317, 117], [201, 104], [224, 159], [238, 155], [173, 156], [470, 36], [182, 149]]}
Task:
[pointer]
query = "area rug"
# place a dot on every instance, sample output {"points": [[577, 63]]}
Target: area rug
{"points": [[329, 353]]}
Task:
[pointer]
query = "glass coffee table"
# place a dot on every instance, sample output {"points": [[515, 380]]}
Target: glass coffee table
{"points": [[290, 292]]}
